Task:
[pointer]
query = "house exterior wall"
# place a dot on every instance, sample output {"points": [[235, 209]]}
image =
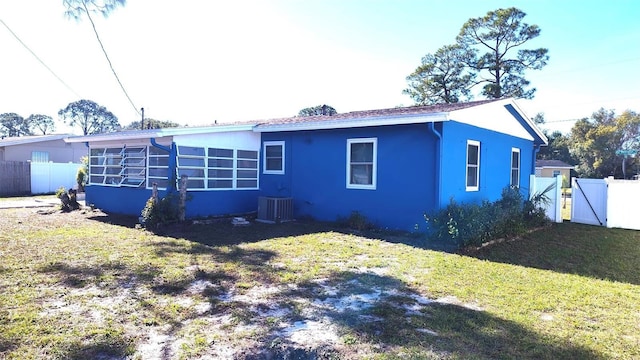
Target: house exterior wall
{"points": [[59, 151], [200, 203], [548, 172], [495, 163], [315, 175]]}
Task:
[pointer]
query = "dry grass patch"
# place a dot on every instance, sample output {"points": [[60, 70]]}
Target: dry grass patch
{"points": [[88, 285]]}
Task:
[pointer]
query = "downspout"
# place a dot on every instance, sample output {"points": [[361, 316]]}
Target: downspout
{"points": [[172, 162], [438, 163]]}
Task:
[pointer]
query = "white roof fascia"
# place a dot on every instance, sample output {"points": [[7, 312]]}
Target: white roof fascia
{"points": [[353, 123], [32, 139], [158, 133], [529, 121]]}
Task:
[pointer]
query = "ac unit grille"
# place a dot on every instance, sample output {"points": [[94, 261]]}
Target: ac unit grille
{"points": [[273, 209]]}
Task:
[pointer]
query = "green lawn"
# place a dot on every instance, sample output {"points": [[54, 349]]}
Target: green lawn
{"points": [[87, 285]]}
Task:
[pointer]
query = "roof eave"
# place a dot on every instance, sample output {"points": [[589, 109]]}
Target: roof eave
{"points": [[159, 133], [353, 123]]}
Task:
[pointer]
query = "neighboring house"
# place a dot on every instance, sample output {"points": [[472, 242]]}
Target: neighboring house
{"points": [[390, 165], [553, 168], [41, 148]]}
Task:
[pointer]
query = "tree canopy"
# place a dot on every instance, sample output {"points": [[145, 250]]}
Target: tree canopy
{"points": [[596, 141], [152, 124], [12, 124], [90, 117], [75, 8], [318, 110], [499, 34], [43, 123], [488, 52], [443, 77]]}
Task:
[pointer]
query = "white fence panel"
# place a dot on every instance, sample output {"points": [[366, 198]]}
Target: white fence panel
{"points": [[539, 184], [589, 201], [48, 177], [623, 199]]}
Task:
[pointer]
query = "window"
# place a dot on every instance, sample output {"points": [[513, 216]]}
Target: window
{"points": [[361, 163], [158, 168], [515, 167], [220, 169], [134, 165], [217, 168], [473, 165], [40, 156], [556, 173], [105, 166], [273, 162], [191, 162], [247, 169]]}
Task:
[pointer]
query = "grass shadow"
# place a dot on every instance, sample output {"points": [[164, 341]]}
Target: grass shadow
{"points": [[592, 251], [381, 314]]}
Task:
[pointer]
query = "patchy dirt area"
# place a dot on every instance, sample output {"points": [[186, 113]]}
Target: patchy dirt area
{"points": [[144, 296]]}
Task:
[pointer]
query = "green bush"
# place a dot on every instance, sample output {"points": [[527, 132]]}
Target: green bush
{"points": [[162, 211], [81, 175], [474, 224], [355, 221]]}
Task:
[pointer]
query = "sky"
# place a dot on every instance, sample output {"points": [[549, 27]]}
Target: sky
{"points": [[194, 62]]}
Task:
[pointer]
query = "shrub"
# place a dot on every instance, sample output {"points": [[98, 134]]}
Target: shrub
{"points": [[474, 224], [162, 211], [81, 175], [355, 221]]}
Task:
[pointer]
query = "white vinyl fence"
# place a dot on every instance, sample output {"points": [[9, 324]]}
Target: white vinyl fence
{"points": [[539, 185], [48, 177], [606, 202]]}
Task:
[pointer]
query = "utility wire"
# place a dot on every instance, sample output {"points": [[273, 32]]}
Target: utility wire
{"points": [[109, 60], [40, 60]]}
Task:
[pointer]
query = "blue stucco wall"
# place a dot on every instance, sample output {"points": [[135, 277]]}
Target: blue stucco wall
{"points": [[315, 175], [408, 161], [495, 163], [131, 201]]}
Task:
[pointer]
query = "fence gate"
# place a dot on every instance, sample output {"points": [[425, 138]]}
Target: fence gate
{"points": [[589, 201]]}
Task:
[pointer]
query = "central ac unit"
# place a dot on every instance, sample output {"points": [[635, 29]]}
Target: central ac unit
{"points": [[274, 209]]}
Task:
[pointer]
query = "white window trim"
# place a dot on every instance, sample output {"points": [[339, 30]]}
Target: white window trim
{"points": [[515, 150], [466, 166], [264, 157], [373, 184]]}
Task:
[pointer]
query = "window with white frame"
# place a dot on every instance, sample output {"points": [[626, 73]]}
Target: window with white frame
{"points": [[220, 169], [515, 167], [105, 166], [217, 168], [273, 161], [247, 169], [134, 165], [192, 162], [362, 163], [40, 156], [158, 168], [473, 165]]}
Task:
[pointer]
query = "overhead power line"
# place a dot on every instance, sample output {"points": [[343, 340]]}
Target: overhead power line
{"points": [[39, 60], [109, 60]]}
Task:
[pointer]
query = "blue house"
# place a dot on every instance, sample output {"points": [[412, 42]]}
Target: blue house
{"points": [[390, 165]]}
